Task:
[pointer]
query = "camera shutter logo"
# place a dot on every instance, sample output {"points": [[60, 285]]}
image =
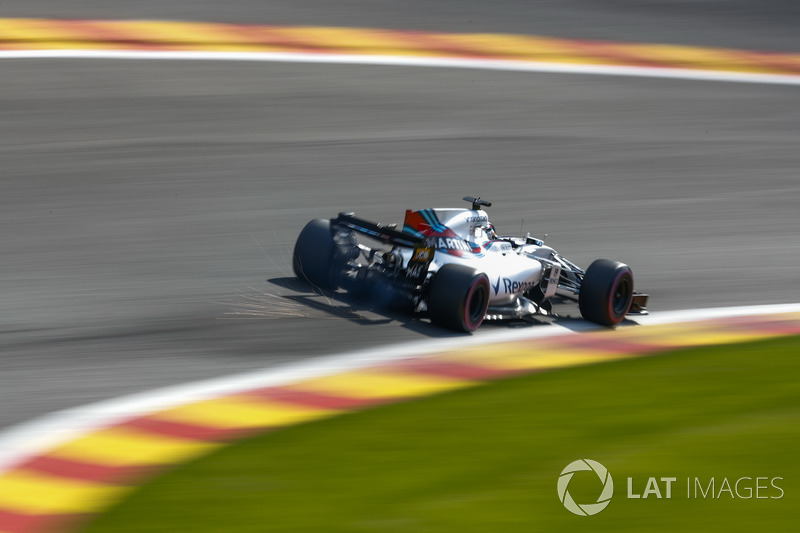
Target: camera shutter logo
{"points": [[586, 509]]}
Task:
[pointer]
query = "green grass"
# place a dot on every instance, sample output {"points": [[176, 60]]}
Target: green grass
{"points": [[487, 459]]}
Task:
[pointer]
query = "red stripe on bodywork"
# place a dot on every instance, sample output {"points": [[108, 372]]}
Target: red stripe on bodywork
{"points": [[414, 219]]}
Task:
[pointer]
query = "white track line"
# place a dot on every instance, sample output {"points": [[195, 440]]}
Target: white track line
{"points": [[28, 439], [688, 315], [411, 61]]}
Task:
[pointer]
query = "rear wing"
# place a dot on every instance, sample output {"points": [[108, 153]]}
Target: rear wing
{"points": [[385, 234]]}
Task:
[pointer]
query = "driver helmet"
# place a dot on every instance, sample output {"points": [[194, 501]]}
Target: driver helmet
{"points": [[485, 233]]}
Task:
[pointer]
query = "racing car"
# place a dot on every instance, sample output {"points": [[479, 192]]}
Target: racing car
{"points": [[452, 265]]}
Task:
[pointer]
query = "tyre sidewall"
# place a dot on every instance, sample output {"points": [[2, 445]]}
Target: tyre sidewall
{"points": [[597, 300], [458, 298]]}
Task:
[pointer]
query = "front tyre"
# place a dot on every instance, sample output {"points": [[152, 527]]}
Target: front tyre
{"points": [[312, 260], [458, 298], [606, 292]]}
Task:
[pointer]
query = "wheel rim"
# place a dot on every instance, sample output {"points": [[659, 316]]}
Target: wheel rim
{"points": [[476, 305], [621, 296]]}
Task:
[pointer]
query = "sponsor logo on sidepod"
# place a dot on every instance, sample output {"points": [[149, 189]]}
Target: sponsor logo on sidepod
{"points": [[511, 286]]}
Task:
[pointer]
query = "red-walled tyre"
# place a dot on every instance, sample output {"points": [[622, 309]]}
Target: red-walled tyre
{"points": [[458, 298], [606, 292]]}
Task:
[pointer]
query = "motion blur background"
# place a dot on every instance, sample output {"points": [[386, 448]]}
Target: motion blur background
{"points": [[142, 201]]}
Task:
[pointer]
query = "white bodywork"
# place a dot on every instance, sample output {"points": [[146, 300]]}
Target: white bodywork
{"points": [[511, 272]]}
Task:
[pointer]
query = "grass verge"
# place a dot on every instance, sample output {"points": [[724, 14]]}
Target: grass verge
{"points": [[488, 458]]}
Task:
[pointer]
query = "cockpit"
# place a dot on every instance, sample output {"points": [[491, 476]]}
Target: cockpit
{"points": [[484, 233]]}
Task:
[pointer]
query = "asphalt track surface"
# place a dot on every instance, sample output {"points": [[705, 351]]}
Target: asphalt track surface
{"points": [[142, 202]]}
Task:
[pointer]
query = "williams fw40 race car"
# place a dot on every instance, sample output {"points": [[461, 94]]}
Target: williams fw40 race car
{"points": [[452, 265]]}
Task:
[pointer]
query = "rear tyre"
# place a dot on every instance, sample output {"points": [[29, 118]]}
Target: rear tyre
{"points": [[312, 260], [458, 298], [606, 292]]}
